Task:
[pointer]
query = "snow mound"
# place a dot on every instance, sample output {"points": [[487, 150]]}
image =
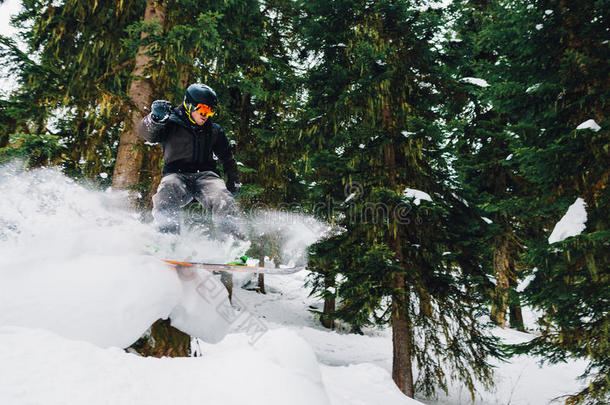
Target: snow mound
{"points": [[231, 375], [289, 351], [363, 383], [572, 223], [73, 260], [105, 300]]}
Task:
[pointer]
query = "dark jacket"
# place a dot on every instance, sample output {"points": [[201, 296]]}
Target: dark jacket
{"points": [[188, 147]]}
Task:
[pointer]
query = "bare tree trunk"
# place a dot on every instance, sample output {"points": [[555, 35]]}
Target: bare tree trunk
{"points": [[502, 268], [261, 276], [226, 279], [130, 154], [402, 331], [150, 175], [516, 318], [515, 314], [329, 305], [402, 366]]}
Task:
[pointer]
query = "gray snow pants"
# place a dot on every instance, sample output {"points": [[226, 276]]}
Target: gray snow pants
{"points": [[178, 189]]}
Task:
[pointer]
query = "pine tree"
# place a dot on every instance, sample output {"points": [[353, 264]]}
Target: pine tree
{"points": [[61, 83], [375, 125], [484, 165], [554, 76]]}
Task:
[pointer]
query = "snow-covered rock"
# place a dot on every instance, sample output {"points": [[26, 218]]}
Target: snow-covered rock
{"points": [[572, 223]]}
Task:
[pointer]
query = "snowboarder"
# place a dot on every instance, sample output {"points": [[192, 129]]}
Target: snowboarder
{"points": [[190, 139]]}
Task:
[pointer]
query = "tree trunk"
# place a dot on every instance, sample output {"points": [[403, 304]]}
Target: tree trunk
{"points": [[402, 331], [130, 154], [261, 276], [9, 128], [515, 314], [150, 175], [329, 305], [226, 279], [402, 366], [244, 118], [516, 318], [502, 268]]}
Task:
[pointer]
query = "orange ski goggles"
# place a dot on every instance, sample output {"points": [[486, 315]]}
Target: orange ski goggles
{"points": [[205, 110]]}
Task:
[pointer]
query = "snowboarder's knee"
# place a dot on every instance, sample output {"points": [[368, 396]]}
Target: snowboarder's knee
{"points": [[171, 192]]}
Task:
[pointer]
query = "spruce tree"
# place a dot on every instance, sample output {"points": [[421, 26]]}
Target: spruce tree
{"points": [[553, 71], [374, 94], [484, 150]]}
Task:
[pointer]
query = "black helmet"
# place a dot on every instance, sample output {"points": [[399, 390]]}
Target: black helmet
{"points": [[200, 94]]}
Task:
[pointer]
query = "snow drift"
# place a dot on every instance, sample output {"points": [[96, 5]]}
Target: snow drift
{"points": [[264, 373]]}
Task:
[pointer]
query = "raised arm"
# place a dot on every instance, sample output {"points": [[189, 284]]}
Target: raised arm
{"points": [[152, 127]]}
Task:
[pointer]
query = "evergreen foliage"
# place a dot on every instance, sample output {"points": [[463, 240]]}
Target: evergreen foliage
{"points": [[373, 94], [484, 164], [550, 74]]}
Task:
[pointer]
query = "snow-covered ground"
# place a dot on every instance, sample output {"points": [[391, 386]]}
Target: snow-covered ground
{"points": [[78, 282], [519, 382]]}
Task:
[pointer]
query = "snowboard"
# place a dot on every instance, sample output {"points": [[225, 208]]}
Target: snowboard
{"points": [[234, 268]]}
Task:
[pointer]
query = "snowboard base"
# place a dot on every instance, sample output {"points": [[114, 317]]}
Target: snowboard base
{"points": [[233, 268]]}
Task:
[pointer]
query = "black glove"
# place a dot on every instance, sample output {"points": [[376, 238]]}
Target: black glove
{"points": [[233, 187], [160, 110]]}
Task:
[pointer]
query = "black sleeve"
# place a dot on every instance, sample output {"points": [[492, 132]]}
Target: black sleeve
{"points": [[222, 149], [150, 130]]}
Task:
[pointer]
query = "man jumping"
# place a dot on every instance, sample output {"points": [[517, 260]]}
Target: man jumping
{"points": [[190, 140]]}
